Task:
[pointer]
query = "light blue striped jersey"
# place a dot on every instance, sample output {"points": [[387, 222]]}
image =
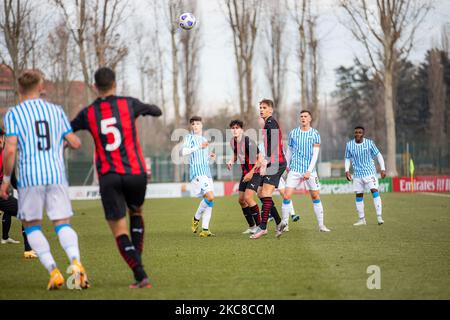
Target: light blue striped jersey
{"points": [[301, 144], [361, 155], [198, 160], [40, 128]]}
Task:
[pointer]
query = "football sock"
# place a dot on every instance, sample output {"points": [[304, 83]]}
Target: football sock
{"points": [[360, 207], [266, 209], [40, 245], [131, 256], [274, 213], [25, 240], [286, 209], [137, 231], [201, 208], [6, 226], [256, 215], [377, 202], [292, 211], [207, 214], [248, 216], [318, 210], [69, 241]]}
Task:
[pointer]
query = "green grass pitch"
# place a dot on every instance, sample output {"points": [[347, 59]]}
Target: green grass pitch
{"points": [[412, 250]]}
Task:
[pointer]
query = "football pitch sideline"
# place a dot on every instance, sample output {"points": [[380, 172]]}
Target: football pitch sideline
{"points": [[412, 251]]}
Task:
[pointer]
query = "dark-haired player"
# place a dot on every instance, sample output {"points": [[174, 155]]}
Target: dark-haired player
{"points": [[246, 153], [360, 153], [196, 147], [120, 165], [276, 165]]}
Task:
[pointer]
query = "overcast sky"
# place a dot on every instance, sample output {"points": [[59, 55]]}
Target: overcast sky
{"points": [[337, 47]]}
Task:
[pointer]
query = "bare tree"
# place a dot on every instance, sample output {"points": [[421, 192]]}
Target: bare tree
{"points": [[386, 30], [243, 18], [19, 38], [276, 55], [190, 65], [299, 15], [313, 50]]}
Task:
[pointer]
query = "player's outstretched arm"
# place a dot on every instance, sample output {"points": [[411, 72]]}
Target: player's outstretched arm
{"points": [[72, 140], [143, 109]]}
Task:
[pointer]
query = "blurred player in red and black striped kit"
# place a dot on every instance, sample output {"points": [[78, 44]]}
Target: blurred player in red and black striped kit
{"points": [[246, 152], [120, 165]]}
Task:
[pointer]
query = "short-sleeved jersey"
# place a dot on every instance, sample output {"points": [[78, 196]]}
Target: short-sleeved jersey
{"points": [[199, 159], [302, 144], [273, 142], [112, 124], [40, 128], [361, 155], [245, 153]]}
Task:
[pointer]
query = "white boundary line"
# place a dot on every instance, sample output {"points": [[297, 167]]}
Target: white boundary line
{"points": [[434, 194]]}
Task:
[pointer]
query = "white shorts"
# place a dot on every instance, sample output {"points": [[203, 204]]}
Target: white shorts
{"points": [[52, 198], [202, 185], [359, 184], [281, 184], [295, 178]]}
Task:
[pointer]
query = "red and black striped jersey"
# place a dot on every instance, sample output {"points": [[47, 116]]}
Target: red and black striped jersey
{"points": [[112, 124], [246, 153], [273, 142]]}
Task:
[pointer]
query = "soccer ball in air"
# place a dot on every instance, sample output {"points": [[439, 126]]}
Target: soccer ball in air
{"points": [[187, 21]]}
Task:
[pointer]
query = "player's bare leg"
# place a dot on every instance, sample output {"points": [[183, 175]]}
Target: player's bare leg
{"points": [[318, 210]]}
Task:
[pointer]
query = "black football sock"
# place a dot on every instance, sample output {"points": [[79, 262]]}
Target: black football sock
{"points": [[137, 231], [25, 240], [256, 215], [248, 216], [131, 257], [274, 213], [6, 226], [267, 207]]}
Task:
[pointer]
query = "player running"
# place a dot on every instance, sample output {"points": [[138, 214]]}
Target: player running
{"points": [[247, 154], [360, 152], [10, 209], [37, 129], [196, 147], [272, 169], [120, 165], [302, 155]]}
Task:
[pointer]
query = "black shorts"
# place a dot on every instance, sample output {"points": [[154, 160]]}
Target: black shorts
{"points": [[121, 191], [9, 206], [252, 184], [274, 179]]}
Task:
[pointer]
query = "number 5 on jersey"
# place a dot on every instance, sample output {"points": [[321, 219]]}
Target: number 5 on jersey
{"points": [[107, 127]]}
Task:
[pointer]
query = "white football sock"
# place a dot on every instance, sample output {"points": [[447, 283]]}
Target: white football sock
{"points": [[206, 218], [285, 210], [360, 208], [40, 245], [378, 206], [292, 209], [201, 208], [69, 241], [318, 210]]}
